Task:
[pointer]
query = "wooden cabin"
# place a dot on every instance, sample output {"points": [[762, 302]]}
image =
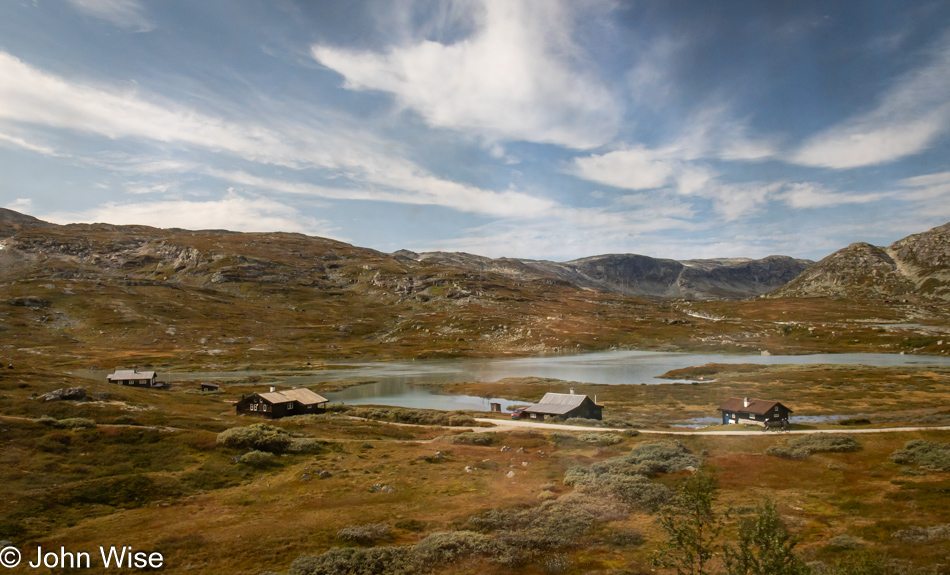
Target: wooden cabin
{"points": [[753, 411], [133, 377], [277, 404], [564, 406], [205, 386]]}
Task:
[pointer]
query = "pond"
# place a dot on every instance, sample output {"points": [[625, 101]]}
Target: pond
{"points": [[393, 379]]}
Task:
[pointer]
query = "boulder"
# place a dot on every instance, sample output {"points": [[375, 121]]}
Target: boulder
{"points": [[69, 394]]}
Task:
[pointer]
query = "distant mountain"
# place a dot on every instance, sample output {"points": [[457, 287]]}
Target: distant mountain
{"points": [[637, 275], [916, 266]]}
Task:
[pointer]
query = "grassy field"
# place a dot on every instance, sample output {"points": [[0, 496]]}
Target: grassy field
{"points": [[148, 471]]}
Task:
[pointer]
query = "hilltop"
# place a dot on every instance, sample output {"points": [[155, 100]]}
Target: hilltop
{"points": [[916, 267]]}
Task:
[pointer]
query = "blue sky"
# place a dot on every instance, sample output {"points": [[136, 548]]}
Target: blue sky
{"points": [[539, 129]]}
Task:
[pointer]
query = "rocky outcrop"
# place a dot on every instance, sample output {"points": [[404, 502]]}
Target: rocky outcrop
{"points": [[67, 394]]}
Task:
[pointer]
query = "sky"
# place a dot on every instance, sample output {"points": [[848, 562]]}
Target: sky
{"points": [[537, 129]]}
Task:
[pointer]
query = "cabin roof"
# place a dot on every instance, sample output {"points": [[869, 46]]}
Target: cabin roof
{"points": [[557, 403], [756, 406], [127, 374], [300, 395]]}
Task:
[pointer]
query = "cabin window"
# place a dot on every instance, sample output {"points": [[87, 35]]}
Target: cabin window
{"points": [[290, 406], [776, 409], [534, 416], [253, 407], [751, 416]]}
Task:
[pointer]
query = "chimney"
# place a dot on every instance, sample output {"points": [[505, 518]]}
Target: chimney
{"points": [[595, 399], [273, 389], [745, 402], [572, 391]]}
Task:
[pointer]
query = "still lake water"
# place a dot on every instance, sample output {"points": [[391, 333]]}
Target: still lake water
{"points": [[392, 379]]}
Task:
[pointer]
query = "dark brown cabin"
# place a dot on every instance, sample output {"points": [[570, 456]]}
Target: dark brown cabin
{"points": [[564, 406], [277, 404], [753, 411]]}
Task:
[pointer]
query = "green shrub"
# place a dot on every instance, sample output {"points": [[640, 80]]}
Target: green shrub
{"points": [[787, 453], [364, 534], [355, 561], [930, 455], [844, 543], [260, 436], [824, 443], [855, 421], [305, 446], [257, 458], [75, 423], [470, 438], [923, 534], [414, 416], [604, 439]]}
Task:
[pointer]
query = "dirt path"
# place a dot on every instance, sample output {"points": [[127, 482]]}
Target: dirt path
{"points": [[515, 424]]}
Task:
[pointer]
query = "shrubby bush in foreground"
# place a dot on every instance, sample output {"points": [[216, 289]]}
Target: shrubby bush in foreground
{"points": [[68, 423], [364, 534], [801, 447], [470, 438], [260, 436], [414, 416], [257, 458], [930, 455]]}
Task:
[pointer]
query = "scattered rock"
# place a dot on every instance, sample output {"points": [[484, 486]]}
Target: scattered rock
{"points": [[525, 463], [323, 474], [505, 448], [29, 301], [439, 455], [469, 469], [70, 394], [521, 450], [510, 475], [305, 477], [378, 487]]}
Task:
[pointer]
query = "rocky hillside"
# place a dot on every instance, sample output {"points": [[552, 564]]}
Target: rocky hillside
{"points": [[643, 276], [917, 266]]}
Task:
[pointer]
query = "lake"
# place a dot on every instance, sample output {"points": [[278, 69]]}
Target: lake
{"points": [[393, 378]]}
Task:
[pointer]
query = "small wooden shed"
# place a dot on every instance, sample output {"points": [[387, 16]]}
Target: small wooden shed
{"points": [[753, 411], [205, 386]]}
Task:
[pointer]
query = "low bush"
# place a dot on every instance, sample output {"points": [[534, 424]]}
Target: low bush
{"points": [[364, 534], [801, 447], [923, 534], [414, 416], [604, 439], [844, 543], [855, 421], [355, 561], [257, 458], [68, 423], [305, 446], [470, 438], [787, 453], [624, 538], [929, 455], [824, 443], [260, 436]]}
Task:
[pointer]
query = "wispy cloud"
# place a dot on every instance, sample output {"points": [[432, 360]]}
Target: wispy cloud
{"points": [[232, 212], [811, 195], [518, 77], [26, 145], [910, 116], [20, 204], [128, 14], [631, 169]]}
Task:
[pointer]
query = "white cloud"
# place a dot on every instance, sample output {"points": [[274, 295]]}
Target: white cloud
{"points": [[910, 116], [508, 203], [22, 205], [518, 77], [811, 195], [712, 132], [232, 212], [26, 145], [632, 169], [127, 14], [735, 201]]}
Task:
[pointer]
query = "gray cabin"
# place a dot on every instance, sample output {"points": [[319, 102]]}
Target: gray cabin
{"points": [[133, 377], [753, 411], [277, 404], [564, 406]]}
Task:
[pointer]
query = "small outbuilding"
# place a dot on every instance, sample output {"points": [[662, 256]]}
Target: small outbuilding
{"points": [[753, 411], [277, 404], [205, 386], [133, 377], [564, 406]]}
